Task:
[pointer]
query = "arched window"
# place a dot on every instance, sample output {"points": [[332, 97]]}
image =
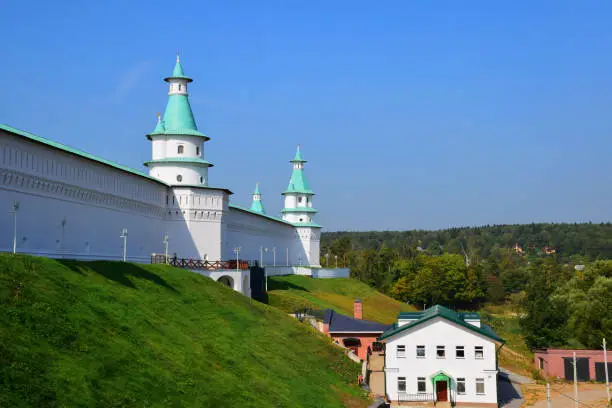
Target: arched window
{"points": [[181, 149], [202, 180], [179, 178], [179, 87], [197, 150]]}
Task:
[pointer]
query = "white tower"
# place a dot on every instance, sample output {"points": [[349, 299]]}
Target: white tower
{"points": [[178, 146], [299, 211]]}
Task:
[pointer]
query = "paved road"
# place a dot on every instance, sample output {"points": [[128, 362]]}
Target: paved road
{"points": [[510, 395]]}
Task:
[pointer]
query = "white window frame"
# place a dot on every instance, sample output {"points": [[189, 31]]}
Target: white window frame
{"points": [[478, 382], [443, 349], [457, 349], [401, 381], [420, 347], [478, 349], [400, 351], [421, 380], [460, 380]]}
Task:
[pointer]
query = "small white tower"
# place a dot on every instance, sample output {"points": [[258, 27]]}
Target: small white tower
{"points": [[178, 146], [298, 195]]}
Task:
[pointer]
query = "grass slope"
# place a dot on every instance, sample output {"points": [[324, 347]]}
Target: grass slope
{"points": [[289, 293], [104, 334]]}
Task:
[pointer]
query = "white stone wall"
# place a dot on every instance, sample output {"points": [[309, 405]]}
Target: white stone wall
{"points": [[441, 332], [240, 281]]}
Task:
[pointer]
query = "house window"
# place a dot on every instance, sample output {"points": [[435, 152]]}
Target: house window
{"points": [[401, 384], [460, 352], [460, 385], [197, 150], [478, 352], [420, 351], [181, 149], [179, 178], [440, 352], [541, 363], [421, 384], [480, 386], [401, 351]]}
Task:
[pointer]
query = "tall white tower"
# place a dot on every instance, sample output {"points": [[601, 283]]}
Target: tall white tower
{"points": [[299, 211], [178, 146], [298, 195]]}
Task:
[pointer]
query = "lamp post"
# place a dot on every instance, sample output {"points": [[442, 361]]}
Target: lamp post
{"points": [[237, 252], [124, 234], [336, 257], [274, 253], [63, 247], [14, 212], [287, 256], [327, 260], [165, 242]]}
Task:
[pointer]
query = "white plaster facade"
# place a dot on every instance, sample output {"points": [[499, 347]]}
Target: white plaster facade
{"points": [[431, 334], [75, 205]]}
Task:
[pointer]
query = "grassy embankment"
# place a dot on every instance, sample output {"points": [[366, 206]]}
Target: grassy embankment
{"points": [[105, 334], [289, 293]]}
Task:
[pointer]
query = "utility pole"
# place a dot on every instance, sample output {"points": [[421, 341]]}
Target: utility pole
{"points": [[575, 383], [606, 370], [548, 395], [14, 212], [165, 242], [123, 235]]}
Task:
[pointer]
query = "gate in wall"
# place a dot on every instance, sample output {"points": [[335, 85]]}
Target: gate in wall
{"points": [[582, 368]]}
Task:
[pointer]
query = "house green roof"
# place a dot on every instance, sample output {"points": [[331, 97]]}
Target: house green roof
{"points": [[190, 160], [299, 209], [76, 152], [445, 313]]}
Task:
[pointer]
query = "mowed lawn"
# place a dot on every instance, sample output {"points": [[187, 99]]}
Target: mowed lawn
{"points": [[111, 334], [289, 293]]}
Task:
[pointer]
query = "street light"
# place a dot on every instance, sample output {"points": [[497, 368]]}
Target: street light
{"points": [[274, 253], [336, 256], [237, 252], [327, 260], [261, 251], [165, 242], [14, 212], [124, 234]]}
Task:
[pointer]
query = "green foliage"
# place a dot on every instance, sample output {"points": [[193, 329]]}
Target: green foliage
{"points": [[106, 334], [443, 279]]}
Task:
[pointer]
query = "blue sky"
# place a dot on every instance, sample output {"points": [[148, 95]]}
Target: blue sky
{"points": [[412, 114]]}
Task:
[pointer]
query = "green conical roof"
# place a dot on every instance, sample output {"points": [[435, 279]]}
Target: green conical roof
{"points": [[257, 204], [298, 156], [178, 118], [177, 72]]}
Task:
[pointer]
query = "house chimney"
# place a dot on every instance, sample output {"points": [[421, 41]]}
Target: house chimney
{"points": [[357, 309]]}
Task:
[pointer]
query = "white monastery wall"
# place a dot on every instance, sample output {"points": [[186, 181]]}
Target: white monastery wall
{"points": [[74, 207], [250, 232], [441, 332], [189, 174]]}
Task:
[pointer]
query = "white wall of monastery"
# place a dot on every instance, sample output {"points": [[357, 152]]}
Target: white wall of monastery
{"points": [[440, 332]]}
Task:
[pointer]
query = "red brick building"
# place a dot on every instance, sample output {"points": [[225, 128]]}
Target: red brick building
{"points": [[353, 332]]}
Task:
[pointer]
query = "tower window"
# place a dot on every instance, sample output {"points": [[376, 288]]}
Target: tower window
{"points": [[299, 199], [202, 180], [179, 178], [181, 149], [197, 150], [179, 87], [301, 219]]}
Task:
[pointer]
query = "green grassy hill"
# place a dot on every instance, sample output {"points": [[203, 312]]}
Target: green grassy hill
{"points": [[106, 334], [293, 292]]}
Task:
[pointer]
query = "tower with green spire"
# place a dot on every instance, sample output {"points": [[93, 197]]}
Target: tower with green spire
{"points": [[257, 204], [298, 195], [177, 144]]}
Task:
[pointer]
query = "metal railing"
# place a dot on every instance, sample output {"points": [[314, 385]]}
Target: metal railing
{"points": [[199, 264], [420, 397]]}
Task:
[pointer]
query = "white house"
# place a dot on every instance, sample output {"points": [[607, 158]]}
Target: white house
{"points": [[62, 202], [443, 356]]}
